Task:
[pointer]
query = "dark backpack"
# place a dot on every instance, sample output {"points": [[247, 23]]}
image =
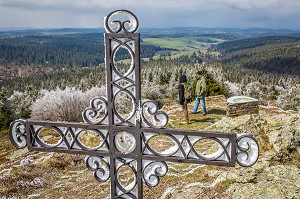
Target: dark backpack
{"points": [[187, 92]]}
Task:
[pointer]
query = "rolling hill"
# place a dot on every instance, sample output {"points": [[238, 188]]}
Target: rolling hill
{"points": [[270, 54]]}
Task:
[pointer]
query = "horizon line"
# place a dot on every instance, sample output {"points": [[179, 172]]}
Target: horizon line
{"points": [[161, 28]]}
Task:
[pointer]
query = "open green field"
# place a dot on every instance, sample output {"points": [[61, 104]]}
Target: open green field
{"points": [[181, 45], [176, 43]]}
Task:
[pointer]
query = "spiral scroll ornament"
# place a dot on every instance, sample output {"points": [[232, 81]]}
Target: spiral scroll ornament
{"points": [[152, 116], [97, 112], [247, 150], [152, 171], [100, 166], [17, 134], [121, 21]]}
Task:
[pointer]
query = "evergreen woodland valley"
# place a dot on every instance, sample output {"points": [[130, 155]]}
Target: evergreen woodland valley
{"points": [[262, 66]]}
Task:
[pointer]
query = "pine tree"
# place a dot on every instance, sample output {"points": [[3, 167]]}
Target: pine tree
{"points": [[6, 115], [91, 81], [23, 107]]}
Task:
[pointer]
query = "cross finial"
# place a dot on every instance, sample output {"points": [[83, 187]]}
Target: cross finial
{"points": [[113, 23]]}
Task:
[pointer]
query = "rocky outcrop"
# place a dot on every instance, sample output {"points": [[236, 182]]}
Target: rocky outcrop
{"points": [[263, 181]]}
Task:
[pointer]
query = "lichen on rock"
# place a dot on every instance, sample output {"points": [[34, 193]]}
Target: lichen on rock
{"points": [[281, 181]]}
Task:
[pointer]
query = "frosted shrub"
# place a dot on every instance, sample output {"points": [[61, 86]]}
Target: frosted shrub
{"points": [[15, 99], [59, 105], [63, 105], [290, 100], [234, 88], [155, 93], [21, 102], [152, 92], [95, 91], [253, 89]]}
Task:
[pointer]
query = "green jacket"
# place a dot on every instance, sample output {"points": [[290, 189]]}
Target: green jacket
{"points": [[201, 87]]}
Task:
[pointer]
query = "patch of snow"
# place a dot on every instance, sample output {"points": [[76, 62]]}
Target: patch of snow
{"points": [[200, 184], [240, 99], [168, 191], [34, 195]]}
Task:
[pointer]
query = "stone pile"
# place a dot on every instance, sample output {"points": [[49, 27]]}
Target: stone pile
{"points": [[241, 105]]}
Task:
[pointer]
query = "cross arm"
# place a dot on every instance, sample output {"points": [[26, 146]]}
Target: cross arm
{"points": [[64, 137], [200, 147]]}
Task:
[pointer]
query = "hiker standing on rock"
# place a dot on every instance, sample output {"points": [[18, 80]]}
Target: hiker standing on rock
{"points": [[200, 93], [184, 95]]}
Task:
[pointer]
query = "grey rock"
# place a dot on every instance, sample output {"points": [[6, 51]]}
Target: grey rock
{"points": [[27, 162]]}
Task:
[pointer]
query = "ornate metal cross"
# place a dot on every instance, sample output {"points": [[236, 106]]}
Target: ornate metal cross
{"points": [[127, 138]]}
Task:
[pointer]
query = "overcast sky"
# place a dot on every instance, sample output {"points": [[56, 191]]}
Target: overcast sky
{"points": [[277, 14]]}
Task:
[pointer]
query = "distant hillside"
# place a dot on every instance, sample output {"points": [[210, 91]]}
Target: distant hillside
{"points": [[275, 54], [253, 42], [218, 30], [43, 32], [13, 32], [65, 50]]}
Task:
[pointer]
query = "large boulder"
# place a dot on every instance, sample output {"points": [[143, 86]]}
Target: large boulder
{"points": [[281, 181]]}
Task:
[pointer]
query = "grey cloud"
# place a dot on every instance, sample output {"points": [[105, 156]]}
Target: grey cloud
{"points": [[291, 5], [154, 13], [92, 5]]}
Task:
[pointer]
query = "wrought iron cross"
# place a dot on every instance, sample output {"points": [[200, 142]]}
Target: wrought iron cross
{"points": [[127, 137]]}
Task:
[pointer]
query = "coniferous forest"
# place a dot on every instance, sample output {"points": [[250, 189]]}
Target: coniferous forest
{"points": [[70, 50], [266, 67], [270, 54]]}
